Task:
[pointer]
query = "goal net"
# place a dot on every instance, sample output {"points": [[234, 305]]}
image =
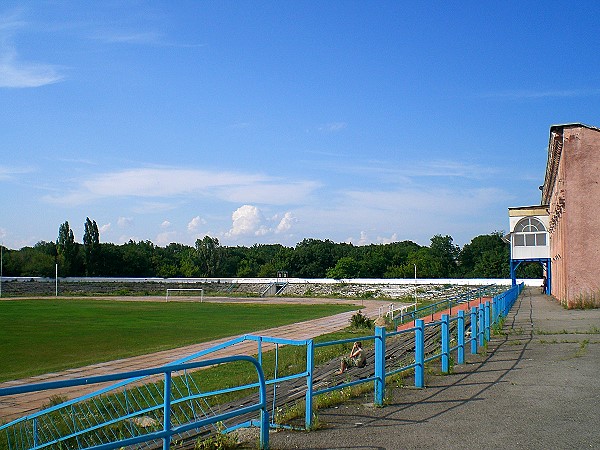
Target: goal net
{"points": [[185, 292]]}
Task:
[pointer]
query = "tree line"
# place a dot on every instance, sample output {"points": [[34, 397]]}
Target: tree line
{"points": [[486, 256]]}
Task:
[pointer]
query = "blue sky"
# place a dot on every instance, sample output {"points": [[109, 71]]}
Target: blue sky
{"points": [[270, 122]]}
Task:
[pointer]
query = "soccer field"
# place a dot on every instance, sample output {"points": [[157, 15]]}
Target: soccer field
{"points": [[47, 335]]}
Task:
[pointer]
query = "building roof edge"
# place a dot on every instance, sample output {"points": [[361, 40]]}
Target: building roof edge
{"points": [[573, 124]]}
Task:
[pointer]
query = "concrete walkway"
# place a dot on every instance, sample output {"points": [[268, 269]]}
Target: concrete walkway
{"points": [[12, 407], [536, 387]]}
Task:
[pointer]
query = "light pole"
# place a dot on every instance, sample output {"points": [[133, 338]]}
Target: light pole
{"points": [[415, 314], [1, 264]]}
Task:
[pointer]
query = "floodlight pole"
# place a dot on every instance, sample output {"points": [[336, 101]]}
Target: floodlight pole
{"points": [[1, 264], [415, 314]]}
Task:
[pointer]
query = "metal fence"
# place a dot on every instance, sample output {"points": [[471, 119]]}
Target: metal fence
{"points": [[430, 341], [147, 413], [114, 416]]}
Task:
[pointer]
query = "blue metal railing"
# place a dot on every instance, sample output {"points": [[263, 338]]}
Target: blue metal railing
{"points": [[192, 411], [48, 428], [446, 304], [480, 321]]}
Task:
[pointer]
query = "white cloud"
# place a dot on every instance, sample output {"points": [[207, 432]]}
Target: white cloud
{"points": [[414, 214], [363, 240], [16, 73], [105, 228], [162, 182], [409, 172], [148, 37], [154, 207], [247, 220], [171, 183], [166, 238], [333, 127], [386, 240], [442, 200], [271, 193], [123, 239], [2, 233], [165, 224], [195, 224], [286, 223], [528, 94], [124, 222], [7, 173]]}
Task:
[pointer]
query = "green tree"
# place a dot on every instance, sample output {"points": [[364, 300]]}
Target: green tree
{"points": [[34, 261], [312, 257], [246, 269], [486, 256], [137, 259], [210, 255], [111, 260], [188, 265], [443, 250], [346, 267], [428, 266], [167, 260], [67, 250], [91, 247]]}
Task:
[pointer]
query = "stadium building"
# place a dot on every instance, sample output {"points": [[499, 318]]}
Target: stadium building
{"points": [[563, 232]]}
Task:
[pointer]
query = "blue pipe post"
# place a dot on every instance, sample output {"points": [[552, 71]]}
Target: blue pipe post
{"points": [[259, 350], [264, 429], [486, 318], [167, 411], [460, 325], [480, 326], [35, 432], [473, 330], [310, 367], [445, 344], [548, 277], [379, 365], [513, 271], [419, 353]]}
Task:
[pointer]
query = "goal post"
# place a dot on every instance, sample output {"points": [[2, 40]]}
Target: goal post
{"points": [[171, 290]]}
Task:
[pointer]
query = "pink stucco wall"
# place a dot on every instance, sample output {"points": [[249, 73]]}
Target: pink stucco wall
{"points": [[575, 217]]}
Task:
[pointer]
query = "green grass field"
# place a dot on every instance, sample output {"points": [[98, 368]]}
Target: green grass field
{"points": [[47, 335]]}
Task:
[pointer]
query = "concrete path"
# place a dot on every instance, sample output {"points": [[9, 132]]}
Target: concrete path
{"points": [[537, 387], [12, 407]]}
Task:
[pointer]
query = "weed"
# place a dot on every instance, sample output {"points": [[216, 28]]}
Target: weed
{"points": [[585, 301], [316, 423], [497, 327], [220, 441], [368, 294], [359, 320], [56, 399], [582, 348], [288, 413]]}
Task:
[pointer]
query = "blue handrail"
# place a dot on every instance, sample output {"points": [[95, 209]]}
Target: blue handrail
{"points": [[446, 304], [166, 432], [482, 318], [473, 327]]}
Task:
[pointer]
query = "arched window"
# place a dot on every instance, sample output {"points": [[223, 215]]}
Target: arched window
{"points": [[529, 232]]}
